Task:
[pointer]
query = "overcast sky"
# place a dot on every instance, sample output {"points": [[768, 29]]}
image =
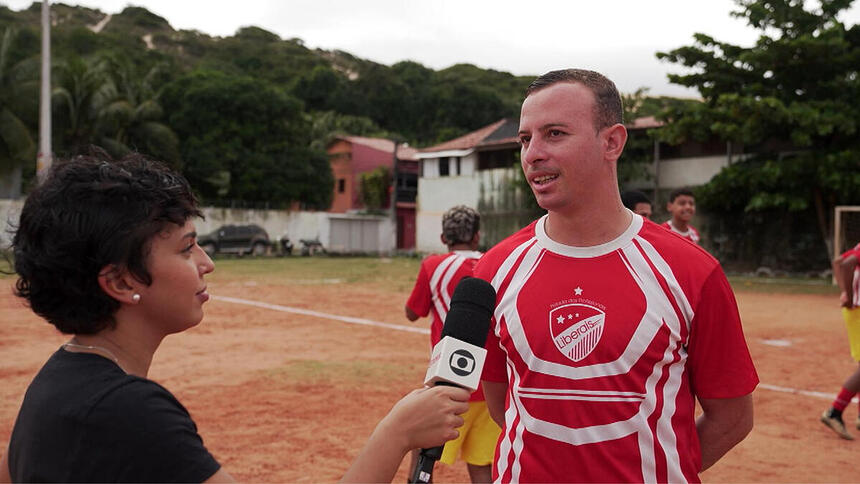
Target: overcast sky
{"points": [[616, 37]]}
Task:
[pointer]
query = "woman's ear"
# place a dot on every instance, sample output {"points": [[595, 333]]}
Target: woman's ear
{"points": [[119, 284]]}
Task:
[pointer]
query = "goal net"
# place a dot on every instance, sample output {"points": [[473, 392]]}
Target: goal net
{"points": [[846, 228]]}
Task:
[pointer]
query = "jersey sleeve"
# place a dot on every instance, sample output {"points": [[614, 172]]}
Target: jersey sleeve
{"points": [[848, 253], [719, 359], [159, 440], [420, 299]]}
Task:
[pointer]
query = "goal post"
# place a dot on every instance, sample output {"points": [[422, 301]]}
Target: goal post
{"points": [[846, 228]]}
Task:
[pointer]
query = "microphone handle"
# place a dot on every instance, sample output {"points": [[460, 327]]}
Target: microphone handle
{"points": [[427, 457]]}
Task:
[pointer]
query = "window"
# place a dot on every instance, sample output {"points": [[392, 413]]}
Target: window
{"points": [[458, 165], [341, 185], [444, 166]]}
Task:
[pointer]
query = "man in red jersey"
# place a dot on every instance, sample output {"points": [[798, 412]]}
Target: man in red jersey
{"points": [[437, 278], [847, 273], [607, 328], [682, 206]]}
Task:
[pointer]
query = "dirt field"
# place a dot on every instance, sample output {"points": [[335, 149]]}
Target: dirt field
{"points": [[284, 397]]}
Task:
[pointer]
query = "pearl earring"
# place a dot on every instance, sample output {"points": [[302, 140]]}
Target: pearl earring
{"points": [[135, 298]]}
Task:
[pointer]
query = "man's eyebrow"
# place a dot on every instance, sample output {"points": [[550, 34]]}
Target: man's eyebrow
{"points": [[546, 127], [190, 235]]}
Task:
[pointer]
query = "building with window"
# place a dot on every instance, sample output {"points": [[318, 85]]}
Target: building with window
{"points": [[352, 156]]}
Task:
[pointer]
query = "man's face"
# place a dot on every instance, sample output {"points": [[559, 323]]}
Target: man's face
{"points": [[561, 151], [682, 208], [643, 209]]}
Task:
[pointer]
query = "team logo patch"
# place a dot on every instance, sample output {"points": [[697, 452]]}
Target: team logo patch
{"points": [[576, 329]]}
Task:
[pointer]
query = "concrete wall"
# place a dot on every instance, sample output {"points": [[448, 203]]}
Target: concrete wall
{"points": [[9, 212], [683, 172], [297, 225]]}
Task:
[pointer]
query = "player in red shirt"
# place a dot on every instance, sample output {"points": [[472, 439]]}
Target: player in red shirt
{"points": [[607, 328], [682, 206], [847, 273], [437, 278]]}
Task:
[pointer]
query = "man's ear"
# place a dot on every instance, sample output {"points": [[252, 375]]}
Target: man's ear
{"points": [[118, 283], [614, 139], [476, 240], [443, 239]]}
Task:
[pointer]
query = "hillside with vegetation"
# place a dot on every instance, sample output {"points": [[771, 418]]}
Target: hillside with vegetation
{"points": [[245, 117]]}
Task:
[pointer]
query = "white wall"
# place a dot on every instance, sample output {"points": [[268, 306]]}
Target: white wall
{"points": [[437, 195], [468, 166], [684, 172], [297, 225], [9, 212]]}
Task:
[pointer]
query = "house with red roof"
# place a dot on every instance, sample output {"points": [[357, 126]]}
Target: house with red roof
{"points": [[351, 156]]}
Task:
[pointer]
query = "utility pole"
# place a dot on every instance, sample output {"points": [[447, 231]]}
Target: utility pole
{"points": [[44, 157]]}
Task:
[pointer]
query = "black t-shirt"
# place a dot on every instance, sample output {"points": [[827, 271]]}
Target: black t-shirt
{"points": [[84, 420]]}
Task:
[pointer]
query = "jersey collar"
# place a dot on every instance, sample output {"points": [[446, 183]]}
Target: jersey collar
{"points": [[592, 251]]}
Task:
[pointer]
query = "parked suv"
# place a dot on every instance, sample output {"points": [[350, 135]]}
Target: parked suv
{"points": [[236, 239]]}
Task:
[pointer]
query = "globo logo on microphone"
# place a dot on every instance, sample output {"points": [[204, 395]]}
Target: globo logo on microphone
{"points": [[457, 362], [462, 362]]}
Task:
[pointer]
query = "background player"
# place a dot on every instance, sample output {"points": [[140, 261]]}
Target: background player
{"points": [[607, 329], [847, 273], [682, 206], [637, 202], [107, 252], [437, 278]]}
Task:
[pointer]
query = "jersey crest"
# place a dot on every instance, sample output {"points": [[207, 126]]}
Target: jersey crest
{"points": [[576, 329]]}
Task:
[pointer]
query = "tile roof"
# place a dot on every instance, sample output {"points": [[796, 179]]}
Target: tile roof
{"points": [[645, 122], [502, 131], [404, 151]]}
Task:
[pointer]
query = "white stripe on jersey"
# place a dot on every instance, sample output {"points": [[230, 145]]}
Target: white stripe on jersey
{"points": [[441, 278], [659, 313]]}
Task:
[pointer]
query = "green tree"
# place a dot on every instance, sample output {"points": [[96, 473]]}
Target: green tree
{"points": [[245, 140], [791, 100], [76, 101], [19, 94], [374, 188], [130, 112]]}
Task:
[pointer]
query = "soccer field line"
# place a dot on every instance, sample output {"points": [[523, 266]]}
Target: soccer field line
{"points": [[775, 388], [307, 312], [409, 329]]}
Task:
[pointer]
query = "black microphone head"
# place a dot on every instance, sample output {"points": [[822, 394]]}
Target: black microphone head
{"points": [[472, 306]]}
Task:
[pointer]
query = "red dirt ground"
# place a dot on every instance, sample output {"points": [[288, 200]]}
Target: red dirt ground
{"points": [[280, 397]]}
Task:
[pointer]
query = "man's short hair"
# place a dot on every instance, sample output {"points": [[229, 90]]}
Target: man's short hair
{"points": [[680, 191], [460, 224], [607, 107], [632, 197]]}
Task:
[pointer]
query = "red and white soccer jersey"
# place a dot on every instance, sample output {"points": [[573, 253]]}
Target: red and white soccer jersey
{"points": [[437, 278], [855, 284], [604, 350], [691, 233]]}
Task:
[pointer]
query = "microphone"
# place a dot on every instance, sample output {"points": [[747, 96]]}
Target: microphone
{"points": [[458, 358]]}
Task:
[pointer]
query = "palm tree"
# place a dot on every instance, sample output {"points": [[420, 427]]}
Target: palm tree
{"points": [[77, 99], [131, 114], [19, 107], [102, 101]]}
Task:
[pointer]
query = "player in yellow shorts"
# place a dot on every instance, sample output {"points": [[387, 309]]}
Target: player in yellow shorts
{"points": [[847, 274], [431, 295], [477, 441]]}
